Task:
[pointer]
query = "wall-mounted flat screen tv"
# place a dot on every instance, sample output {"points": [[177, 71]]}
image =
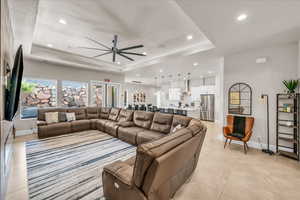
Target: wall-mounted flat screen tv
{"points": [[14, 86]]}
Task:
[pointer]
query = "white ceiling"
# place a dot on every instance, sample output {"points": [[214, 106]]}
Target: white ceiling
{"points": [[159, 25]]}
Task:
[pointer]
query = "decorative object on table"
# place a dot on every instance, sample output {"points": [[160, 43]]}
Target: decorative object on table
{"points": [[240, 99], [239, 128], [267, 150], [287, 125], [114, 49], [291, 85]]}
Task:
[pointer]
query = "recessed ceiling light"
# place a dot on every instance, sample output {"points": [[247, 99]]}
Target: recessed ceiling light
{"points": [[242, 17], [195, 64], [145, 53], [119, 63], [189, 37], [50, 45], [63, 21], [160, 70]]}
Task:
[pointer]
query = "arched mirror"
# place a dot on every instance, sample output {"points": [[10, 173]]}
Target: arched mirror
{"points": [[240, 99]]}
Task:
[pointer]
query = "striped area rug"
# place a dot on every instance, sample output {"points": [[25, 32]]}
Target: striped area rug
{"points": [[70, 166]]}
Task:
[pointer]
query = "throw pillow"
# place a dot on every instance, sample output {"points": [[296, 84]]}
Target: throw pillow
{"points": [[70, 117], [177, 128], [62, 117], [51, 117]]}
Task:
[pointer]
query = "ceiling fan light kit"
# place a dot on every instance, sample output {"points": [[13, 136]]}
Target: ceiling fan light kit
{"points": [[114, 50]]}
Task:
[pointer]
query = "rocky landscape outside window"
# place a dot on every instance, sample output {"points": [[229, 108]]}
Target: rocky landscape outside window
{"points": [[74, 94], [37, 93]]}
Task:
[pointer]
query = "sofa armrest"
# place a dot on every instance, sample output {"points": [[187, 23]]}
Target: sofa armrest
{"points": [[126, 124], [121, 171], [41, 123]]}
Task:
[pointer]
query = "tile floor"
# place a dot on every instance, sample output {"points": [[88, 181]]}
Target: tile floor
{"points": [[221, 174]]}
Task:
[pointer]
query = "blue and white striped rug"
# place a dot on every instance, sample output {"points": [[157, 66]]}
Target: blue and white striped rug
{"points": [[70, 166]]}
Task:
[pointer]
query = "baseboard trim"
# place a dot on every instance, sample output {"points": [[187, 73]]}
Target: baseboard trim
{"points": [[25, 132], [252, 144]]}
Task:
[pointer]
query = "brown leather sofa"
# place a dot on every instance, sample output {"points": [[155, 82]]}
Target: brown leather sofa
{"points": [[164, 160]]}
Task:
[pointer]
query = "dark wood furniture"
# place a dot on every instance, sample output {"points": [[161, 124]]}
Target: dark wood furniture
{"points": [[287, 125]]}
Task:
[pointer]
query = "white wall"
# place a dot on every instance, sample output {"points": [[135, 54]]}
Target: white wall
{"points": [[265, 78], [43, 70]]}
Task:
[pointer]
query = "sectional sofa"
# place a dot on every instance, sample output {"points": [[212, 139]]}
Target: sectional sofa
{"points": [[166, 156]]}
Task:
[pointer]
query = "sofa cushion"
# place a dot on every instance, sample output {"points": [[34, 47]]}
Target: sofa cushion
{"points": [[129, 134], [147, 136], [79, 113], [143, 119], [70, 116], [147, 152], [100, 124], [80, 125], [93, 124], [110, 127], [182, 120], [42, 111], [92, 112], [162, 122], [114, 113], [104, 112], [125, 115], [62, 117], [126, 124], [41, 123], [54, 129]]}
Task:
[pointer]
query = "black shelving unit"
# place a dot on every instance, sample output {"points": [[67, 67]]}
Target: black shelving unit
{"points": [[287, 125]]}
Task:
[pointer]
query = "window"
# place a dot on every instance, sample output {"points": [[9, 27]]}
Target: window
{"points": [[74, 94], [174, 94], [97, 93], [37, 93]]}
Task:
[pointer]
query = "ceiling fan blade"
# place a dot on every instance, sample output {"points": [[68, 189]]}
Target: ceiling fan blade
{"points": [[94, 48], [125, 56], [102, 54], [103, 45], [114, 56], [133, 47], [131, 53]]}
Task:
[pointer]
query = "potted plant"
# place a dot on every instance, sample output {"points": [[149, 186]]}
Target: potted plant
{"points": [[291, 85]]}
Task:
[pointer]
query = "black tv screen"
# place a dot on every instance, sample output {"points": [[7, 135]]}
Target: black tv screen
{"points": [[14, 87]]}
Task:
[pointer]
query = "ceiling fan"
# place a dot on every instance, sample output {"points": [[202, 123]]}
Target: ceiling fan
{"points": [[114, 50]]}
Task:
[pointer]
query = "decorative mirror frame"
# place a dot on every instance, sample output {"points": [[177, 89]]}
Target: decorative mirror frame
{"points": [[238, 100]]}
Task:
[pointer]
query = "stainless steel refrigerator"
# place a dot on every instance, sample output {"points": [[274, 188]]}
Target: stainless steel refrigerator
{"points": [[207, 107]]}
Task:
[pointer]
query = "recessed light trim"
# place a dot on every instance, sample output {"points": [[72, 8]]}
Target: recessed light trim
{"points": [[189, 37], [50, 45], [119, 63], [63, 21], [161, 70], [144, 53], [242, 17], [195, 64]]}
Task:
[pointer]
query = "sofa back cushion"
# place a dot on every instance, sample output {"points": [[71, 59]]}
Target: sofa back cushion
{"points": [[104, 112], [79, 113], [42, 111], [143, 119], [114, 113], [92, 112], [148, 152], [183, 121], [162, 122], [125, 115]]}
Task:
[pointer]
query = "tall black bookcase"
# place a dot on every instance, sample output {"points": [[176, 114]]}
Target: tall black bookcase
{"points": [[287, 125]]}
